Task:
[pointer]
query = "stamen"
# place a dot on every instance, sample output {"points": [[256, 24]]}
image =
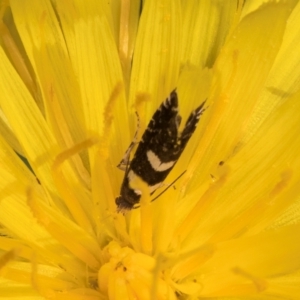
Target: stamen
{"points": [[65, 190], [125, 56], [62, 235], [8, 256], [259, 283], [104, 200], [240, 224], [7, 244], [193, 262], [14, 54], [222, 105], [192, 219], [133, 272], [109, 112], [140, 106], [63, 130], [146, 214]]}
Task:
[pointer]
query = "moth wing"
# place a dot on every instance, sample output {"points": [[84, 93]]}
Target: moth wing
{"points": [[164, 118], [191, 124]]}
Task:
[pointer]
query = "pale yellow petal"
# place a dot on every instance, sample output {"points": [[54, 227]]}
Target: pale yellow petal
{"points": [[157, 53], [250, 6], [236, 88], [54, 88], [16, 291], [97, 67], [85, 68], [30, 127], [205, 27], [43, 25], [128, 22], [283, 80], [8, 135], [248, 261], [250, 190], [26, 121]]}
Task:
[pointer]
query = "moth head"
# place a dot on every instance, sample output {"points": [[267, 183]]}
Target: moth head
{"points": [[122, 204]]}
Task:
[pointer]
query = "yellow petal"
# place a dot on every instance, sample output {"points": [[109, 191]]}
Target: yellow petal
{"points": [[205, 26], [242, 261], [236, 89], [127, 25], [157, 52], [26, 121]]}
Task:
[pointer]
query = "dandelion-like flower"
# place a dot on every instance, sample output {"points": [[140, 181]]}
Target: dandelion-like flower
{"points": [[73, 74]]}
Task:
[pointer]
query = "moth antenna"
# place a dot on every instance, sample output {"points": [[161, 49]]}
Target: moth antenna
{"points": [[171, 184], [125, 160]]}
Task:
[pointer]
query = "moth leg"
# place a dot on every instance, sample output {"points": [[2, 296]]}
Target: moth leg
{"points": [[125, 161]]}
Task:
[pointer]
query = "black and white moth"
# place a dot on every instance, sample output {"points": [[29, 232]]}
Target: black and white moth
{"points": [[158, 151]]}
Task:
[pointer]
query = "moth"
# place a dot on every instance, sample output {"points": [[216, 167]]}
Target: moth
{"points": [[157, 152]]}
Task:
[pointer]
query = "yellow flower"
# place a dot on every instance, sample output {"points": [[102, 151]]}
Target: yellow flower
{"points": [[72, 75]]}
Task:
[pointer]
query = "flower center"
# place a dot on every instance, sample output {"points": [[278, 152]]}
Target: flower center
{"points": [[127, 274]]}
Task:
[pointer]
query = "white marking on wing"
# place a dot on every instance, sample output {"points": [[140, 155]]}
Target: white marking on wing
{"points": [[132, 176], [156, 164], [152, 188]]}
